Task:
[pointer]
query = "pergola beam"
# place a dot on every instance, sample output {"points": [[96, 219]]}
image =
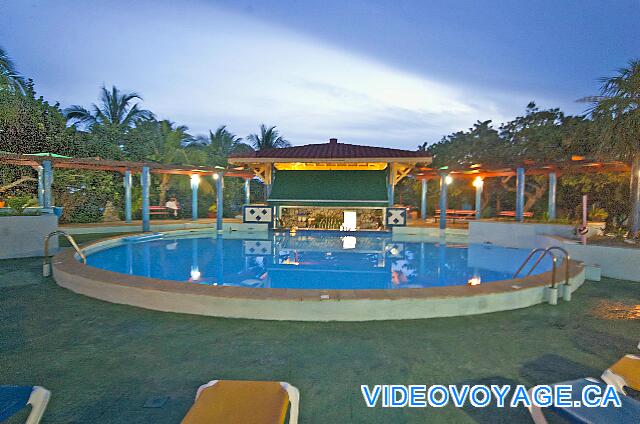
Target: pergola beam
{"points": [[530, 169], [97, 164]]}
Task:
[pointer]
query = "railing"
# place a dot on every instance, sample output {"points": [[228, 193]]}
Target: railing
{"points": [[554, 263], [46, 266]]}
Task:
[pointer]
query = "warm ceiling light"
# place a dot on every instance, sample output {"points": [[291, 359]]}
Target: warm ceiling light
{"points": [[448, 179], [216, 176], [195, 180], [478, 182]]}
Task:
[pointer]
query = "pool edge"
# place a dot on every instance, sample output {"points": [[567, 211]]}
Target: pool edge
{"points": [[303, 305]]}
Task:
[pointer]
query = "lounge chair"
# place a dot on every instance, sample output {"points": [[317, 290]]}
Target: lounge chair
{"points": [[629, 412], [14, 398], [624, 373], [244, 402]]}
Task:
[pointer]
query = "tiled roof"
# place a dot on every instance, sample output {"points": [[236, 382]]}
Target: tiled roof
{"points": [[333, 150]]}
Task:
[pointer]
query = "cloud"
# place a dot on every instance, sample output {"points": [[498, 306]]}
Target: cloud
{"points": [[204, 67]]}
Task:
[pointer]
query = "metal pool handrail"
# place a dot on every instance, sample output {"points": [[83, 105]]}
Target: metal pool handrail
{"points": [[46, 266], [553, 269], [526, 261]]}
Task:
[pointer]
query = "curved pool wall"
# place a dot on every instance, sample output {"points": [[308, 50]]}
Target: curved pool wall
{"points": [[298, 304]]}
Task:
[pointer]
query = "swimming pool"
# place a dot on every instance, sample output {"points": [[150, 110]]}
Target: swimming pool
{"points": [[308, 276], [311, 260]]}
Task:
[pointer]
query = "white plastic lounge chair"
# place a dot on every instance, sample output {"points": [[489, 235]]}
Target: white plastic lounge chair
{"points": [[244, 402], [14, 398]]}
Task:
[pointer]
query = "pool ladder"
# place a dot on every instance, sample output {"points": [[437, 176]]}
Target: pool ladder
{"points": [[549, 250], [46, 265]]}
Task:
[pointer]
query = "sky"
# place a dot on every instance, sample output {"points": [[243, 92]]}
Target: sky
{"points": [[376, 72]]}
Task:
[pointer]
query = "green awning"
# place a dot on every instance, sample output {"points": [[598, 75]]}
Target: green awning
{"points": [[329, 188]]}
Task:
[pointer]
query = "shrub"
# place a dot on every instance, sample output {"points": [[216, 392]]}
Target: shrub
{"points": [[20, 203]]}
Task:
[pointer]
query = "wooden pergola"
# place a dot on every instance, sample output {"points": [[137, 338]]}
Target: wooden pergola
{"points": [[479, 172], [44, 163]]}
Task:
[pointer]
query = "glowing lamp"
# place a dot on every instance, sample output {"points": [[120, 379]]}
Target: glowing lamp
{"points": [[478, 182], [195, 180], [448, 179], [195, 273], [216, 176], [474, 281]]}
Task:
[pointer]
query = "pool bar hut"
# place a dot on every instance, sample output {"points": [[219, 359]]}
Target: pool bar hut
{"points": [[330, 185]]}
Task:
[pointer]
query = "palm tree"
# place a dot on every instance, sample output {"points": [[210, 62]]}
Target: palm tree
{"points": [[115, 110], [223, 143], [269, 138], [616, 113], [9, 76], [169, 148]]}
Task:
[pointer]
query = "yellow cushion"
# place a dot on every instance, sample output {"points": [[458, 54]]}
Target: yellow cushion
{"points": [[240, 402], [629, 369]]}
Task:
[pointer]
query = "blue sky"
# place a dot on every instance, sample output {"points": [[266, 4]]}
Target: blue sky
{"points": [[389, 73]]}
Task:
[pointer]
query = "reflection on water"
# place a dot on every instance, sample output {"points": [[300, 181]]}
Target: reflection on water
{"points": [[310, 260]]}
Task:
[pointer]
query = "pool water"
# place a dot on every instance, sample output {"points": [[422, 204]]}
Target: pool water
{"points": [[311, 260]]}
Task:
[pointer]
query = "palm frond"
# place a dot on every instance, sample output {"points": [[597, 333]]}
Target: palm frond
{"points": [[78, 114]]}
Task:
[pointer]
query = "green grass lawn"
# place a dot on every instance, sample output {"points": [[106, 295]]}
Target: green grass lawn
{"points": [[102, 361]]}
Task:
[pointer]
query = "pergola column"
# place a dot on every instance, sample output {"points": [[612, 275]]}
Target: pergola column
{"points": [[47, 179], [219, 177], [195, 183], [634, 188], [423, 200], [145, 181], [478, 184], [520, 194], [391, 185], [40, 185], [443, 201], [553, 182], [127, 196], [247, 191]]}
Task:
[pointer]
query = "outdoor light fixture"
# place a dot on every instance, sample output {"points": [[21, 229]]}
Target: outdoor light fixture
{"points": [[478, 182], [474, 281], [448, 179], [195, 180], [195, 273], [216, 176]]}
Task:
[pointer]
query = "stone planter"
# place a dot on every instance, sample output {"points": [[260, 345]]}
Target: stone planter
{"points": [[23, 236]]}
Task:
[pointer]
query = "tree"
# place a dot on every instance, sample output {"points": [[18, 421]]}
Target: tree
{"points": [[223, 143], [538, 136], [480, 144], [616, 115], [269, 138], [9, 77], [164, 142], [115, 110]]}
